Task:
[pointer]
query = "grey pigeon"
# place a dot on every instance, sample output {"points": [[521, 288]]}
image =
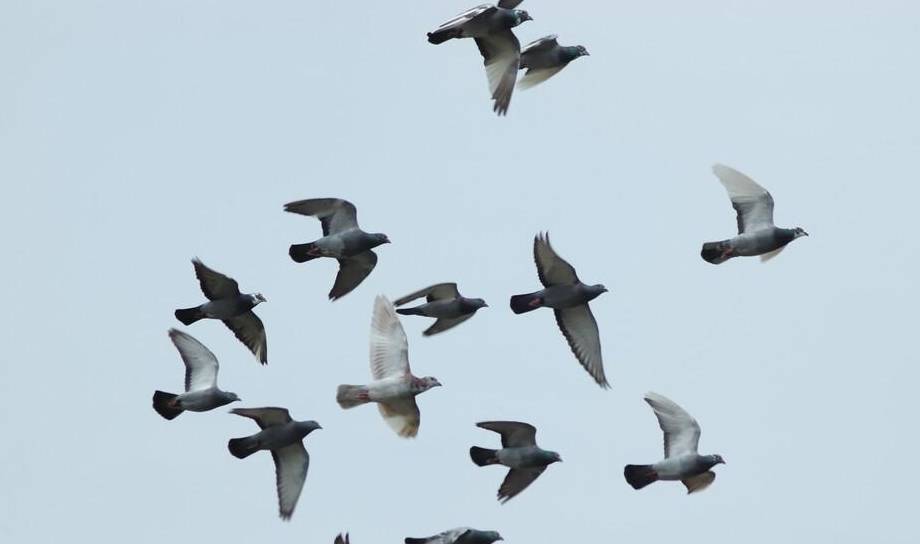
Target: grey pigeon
{"points": [[444, 302], [491, 27], [519, 452], [545, 58], [201, 391], [342, 539], [460, 535], [230, 306], [342, 240], [284, 438], [568, 297], [757, 235], [394, 387], [681, 460]]}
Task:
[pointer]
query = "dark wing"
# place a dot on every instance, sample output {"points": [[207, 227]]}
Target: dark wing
{"points": [[514, 433], [699, 482], [501, 53], [580, 330], [509, 4], [214, 285], [264, 417], [542, 45], [444, 323], [335, 214], [342, 539], [753, 203], [291, 464], [516, 481], [552, 269], [200, 364], [465, 17], [248, 329], [352, 271], [438, 291]]}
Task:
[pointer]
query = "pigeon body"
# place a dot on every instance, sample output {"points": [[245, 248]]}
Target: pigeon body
{"points": [[460, 535], [227, 304], [342, 240], [568, 297], [393, 388], [519, 452], [445, 303], [681, 459], [545, 58], [757, 235], [201, 391], [490, 26], [284, 438]]}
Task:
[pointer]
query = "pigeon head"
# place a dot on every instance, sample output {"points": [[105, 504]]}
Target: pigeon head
{"points": [[594, 291], [428, 382], [307, 427], [233, 397], [550, 457], [378, 238], [477, 303], [520, 16], [582, 52], [798, 232], [572, 52], [486, 537], [713, 460], [257, 298]]}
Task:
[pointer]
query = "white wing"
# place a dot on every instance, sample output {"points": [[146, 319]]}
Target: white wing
{"points": [[767, 256], [501, 53], [389, 347], [402, 415], [291, 464], [533, 78], [200, 364], [753, 203], [681, 431]]}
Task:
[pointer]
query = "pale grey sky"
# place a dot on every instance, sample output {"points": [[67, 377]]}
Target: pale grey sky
{"points": [[136, 135]]}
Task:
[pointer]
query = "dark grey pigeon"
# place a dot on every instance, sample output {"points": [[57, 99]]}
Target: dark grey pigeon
{"points": [[284, 438], [445, 303], [230, 306], [201, 391], [491, 27], [460, 535], [342, 539], [757, 235], [519, 452], [545, 58], [568, 297], [681, 460], [342, 240]]}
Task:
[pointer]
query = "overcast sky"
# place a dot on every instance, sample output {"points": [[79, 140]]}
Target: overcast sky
{"points": [[137, 135]]}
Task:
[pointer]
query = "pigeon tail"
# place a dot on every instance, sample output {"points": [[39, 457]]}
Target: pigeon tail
{"points": [[483, 456], [164, 405], [409, 311], [715, 252], [242, 448], [349, 396], [640, 476], [441, 36], [189, 315], [525, 303], [302, 253]]}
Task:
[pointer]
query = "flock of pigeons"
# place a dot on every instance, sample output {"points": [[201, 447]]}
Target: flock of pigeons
{"points": [[393, 387]]}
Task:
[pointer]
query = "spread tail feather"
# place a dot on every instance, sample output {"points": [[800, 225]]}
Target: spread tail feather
{"points": [[640, 476], [349, 396], [300, 253], [483, 456], [714, 252], [525, 303], [189, 315], [163, 404], [242, 448]]}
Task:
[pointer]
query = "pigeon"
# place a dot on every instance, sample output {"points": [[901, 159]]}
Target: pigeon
{"points": [[284, 438], [568, 297], [491, 27], [519, 452], [231, 307], [681, 460], [757, 235], [445, 303], [394, 387], [201, 391], [460, 535], [342, 240], [342, 539], [545, 58]]}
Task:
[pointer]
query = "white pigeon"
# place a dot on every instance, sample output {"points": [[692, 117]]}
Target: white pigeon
{"points": [[394, 387]]}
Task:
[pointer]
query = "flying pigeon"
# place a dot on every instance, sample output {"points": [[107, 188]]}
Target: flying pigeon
{"points": [[545, 58], [445, 303], [519, 452], [394, 387], [681, 460], [342, 539], [231, 307], [284, 438], [757, 235], [568, 297], [460, 535], [491, 27], [201, 391], [342, 240]]}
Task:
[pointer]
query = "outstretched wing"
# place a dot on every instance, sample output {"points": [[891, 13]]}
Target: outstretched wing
{"points": [[214, 285], [580, 330], [200, 364], [516, 481], [438, 291], [352, 271], [248, 329], [335, 214], [753, 203], [515, 434], [681, 431], [501, 53], [389, 353], [265, 417], [291, 465], [699, 482], [552, 269]]}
